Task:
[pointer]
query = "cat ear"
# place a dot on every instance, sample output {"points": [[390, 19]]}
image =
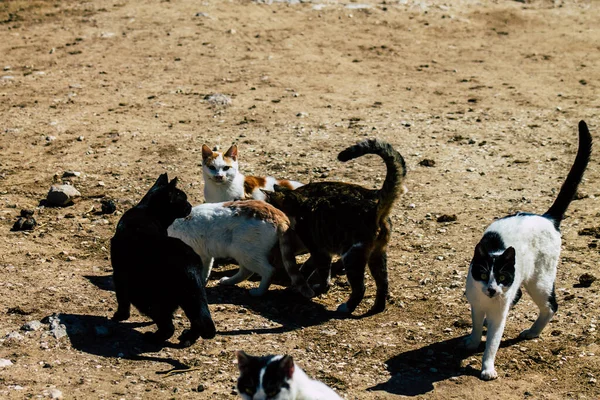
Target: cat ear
{"points": [[173, 183], [206, 152], [280, 189], [243, 360], [162, 180], [287, 365], [508, 257], [231, 152], [480, 252]]}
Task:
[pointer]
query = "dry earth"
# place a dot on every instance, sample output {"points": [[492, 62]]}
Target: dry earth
{"points": [[491, 91]]}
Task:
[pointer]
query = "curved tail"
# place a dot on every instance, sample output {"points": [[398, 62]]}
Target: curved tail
{"points": [[556, 212], [393, 185]]}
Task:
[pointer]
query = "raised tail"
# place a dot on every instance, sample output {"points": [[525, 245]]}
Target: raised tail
{"points": [[556, 212], [393, 185]]}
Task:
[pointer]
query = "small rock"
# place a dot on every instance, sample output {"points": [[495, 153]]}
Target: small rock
{"points": [[50, 138], [55, 394], [586, 280], [59, 331], [200, 388], [24, 224], [62, 195], [108, 206], [5, 363], [427, 163], [412, 205], [218, 99], [302, 114], [470, 169], [80, 138], [70, 174], [32, 326], [201, 14], [14, 336], [446, 218]]}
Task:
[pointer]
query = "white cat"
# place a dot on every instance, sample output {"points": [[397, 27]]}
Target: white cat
{"points": [[246, 231], [278, 378], [224, 182], [521, 249]]}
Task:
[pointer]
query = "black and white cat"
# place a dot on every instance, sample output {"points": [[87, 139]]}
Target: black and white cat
{"points": [[519, 250], [278, 378]]}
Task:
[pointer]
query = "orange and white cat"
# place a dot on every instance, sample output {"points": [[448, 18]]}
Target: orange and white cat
{"points": [[224, 182]]}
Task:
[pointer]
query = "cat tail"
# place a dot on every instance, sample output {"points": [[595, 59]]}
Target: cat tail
{"points": [[556, 212], [393, 185]]}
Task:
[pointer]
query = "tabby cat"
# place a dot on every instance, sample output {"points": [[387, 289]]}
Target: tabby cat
{"points": [[334, 218]]}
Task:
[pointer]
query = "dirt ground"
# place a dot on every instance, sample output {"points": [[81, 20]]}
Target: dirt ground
{"points": [[491, 91]]}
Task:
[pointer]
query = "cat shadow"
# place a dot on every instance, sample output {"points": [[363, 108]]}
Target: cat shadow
{"points": [[103, 337], [414, 372], [283, 306], [102, 282]]}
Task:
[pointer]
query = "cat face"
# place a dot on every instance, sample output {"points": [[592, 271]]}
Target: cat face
{"points": [[263, 378], [496, 273], [283, 198], [219, 168]]}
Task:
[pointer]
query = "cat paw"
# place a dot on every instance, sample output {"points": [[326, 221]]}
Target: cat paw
{"points": [[256, 292], [471, 343], [344, 309], [187, 338], [489, 374], [528, 334]]}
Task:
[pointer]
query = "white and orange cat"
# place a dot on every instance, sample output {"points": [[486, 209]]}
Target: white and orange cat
{"points": [[224, 182]]}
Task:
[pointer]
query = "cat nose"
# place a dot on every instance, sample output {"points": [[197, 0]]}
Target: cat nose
{"points": [[491, 291]]}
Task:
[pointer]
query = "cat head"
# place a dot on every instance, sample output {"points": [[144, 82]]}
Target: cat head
{"points": [[287, 200], [495, 272], [166, 201], [267, 377], [218, 167]]}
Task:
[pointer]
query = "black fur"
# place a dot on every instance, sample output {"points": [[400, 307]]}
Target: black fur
{"points": [[557, 211], [349, 220], [157, 273], [552, 300], [277, 373]]}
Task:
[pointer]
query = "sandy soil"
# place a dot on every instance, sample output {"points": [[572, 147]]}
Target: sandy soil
{"points": [[491, 91]]}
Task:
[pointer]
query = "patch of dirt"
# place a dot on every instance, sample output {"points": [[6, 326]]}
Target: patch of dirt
{"points": [[492, 91]]}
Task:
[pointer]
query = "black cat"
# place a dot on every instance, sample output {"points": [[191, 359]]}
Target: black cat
{"points": [[335, 218], [157, 273]]}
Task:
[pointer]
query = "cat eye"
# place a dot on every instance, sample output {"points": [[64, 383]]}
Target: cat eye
{"points": [[501, 278], [212, 168], [226, 168], [249, 390], [484, 276], [272, 393]]}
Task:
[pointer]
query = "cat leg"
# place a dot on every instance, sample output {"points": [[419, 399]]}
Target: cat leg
{"points": [[322, 262], [286, 247], [544, 296], [496, 321], [201, 323], [240, 276], [165, 329], [474, 339], [378, 268], [262, 267], [207, 264], [123, 302], [355, 260]]}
